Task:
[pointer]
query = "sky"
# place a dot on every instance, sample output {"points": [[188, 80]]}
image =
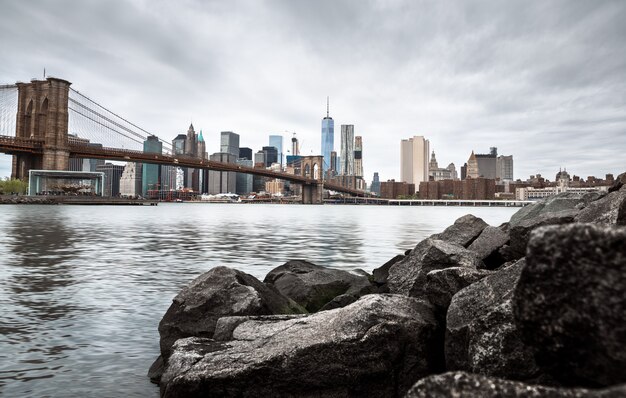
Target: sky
{"points": [[544, 81]]}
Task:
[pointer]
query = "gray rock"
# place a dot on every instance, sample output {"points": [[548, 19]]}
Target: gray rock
{"points": [[481, 335], [520, 232], [378, 346], [463, 232], [563, 202], [466, 385], [570, 303], [381, 273], [219, 292], [312, 286], [408, 276], [608, 210], [620, 181], [339, 302], [442, 284], [487, 245]]}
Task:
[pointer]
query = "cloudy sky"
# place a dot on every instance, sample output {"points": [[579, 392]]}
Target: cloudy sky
{"points": [[544, 81]]}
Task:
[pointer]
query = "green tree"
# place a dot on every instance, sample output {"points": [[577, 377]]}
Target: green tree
{"points": [[8, 186]]}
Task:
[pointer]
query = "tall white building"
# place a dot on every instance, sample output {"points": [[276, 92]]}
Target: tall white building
{"points": [[504, 168], [130, 182], [414, 153], [347, 150]]}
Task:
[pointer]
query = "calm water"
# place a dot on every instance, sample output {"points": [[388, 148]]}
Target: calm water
{"points": [[83, 288]]}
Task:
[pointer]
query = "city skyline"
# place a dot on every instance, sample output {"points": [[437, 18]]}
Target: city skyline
{"points": [[543, 83]]}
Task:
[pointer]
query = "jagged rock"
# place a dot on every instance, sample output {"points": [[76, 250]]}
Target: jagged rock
{"points": [[312, 286], [564, 202], [408, 276], [222, 291], [466, 385], [608, 210], [463, 232], [520, 232], [570, 303], [381, 273], [488, 243], [378, 346], [339, 302], [481, 336], [442, 284], [620, 181]]}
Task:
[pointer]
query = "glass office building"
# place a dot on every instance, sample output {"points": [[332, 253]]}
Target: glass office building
{"points": [[328, 138]]}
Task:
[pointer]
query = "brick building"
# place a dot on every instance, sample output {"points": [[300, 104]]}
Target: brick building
{"points": [[393, 190]]}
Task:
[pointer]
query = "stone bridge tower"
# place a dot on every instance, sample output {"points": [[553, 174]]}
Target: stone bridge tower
{"points": [[311, 167], [42, 115]]}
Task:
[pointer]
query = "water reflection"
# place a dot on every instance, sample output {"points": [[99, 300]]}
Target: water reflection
{"points": [[85, 287]]}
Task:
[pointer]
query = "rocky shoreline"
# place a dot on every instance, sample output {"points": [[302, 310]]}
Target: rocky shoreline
{"points": [[531, 308]]}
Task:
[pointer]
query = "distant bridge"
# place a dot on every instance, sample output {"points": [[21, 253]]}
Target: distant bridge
{"points": [[36, 134]]}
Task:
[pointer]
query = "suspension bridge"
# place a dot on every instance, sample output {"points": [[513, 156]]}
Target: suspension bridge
{"points": [[44, 123]]}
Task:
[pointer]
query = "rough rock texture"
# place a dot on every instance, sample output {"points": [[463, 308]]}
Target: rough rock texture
{"points": [[481, 335], [219, 292], [570, 303], [620, 181], [378, 346], [442, 284], [463, 232], [563, 202], [608, 210], [466, 385], [339, 302], [312, 286], [408, 276], [488, 243], [381, 273], [520, 232]]}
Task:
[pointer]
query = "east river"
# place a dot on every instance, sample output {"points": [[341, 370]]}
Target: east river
{"points": [[82, 289]]}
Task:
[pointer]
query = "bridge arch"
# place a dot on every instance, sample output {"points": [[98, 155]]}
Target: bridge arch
{"points": [[307, 170], [28, 119], [316, 171], [43, 118]]}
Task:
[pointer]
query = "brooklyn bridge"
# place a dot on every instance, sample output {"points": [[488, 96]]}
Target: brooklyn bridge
{"points": [[40, 120]]}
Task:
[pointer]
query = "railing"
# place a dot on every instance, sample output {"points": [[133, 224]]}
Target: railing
{"points": [[9, 144]]}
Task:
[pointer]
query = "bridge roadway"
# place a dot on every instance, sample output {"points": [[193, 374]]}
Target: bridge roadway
{"points": [[12, 145]]}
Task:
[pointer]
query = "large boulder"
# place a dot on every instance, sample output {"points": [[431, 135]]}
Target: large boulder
{"points": [[520, 232], [570, 303], [408, 276], [464, 230], [381, 274], [378, 347], [620, 181], [488, 243], [313, 286], [563, 202], [461, 384], [610, 209], [443, 284], [481, 335], [222, 291]]}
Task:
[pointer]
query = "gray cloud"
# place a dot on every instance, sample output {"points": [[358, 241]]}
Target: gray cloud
{"points": [[543, 81]]}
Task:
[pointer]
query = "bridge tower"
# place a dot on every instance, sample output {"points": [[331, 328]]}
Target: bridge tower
{"points": [[42, 114], [311, 167]]}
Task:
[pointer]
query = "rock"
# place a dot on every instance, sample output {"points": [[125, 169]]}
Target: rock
{"points": [[570, 303], [339, 302], [156, 370], [608, 210], [219, 292], [312, 286], [378, 346], [442, 284], [408, 276], [620, 181], [463, 232], [381, 273], [520, 232], [466, 385], [564, 202], [488, 243], [481, 335]]}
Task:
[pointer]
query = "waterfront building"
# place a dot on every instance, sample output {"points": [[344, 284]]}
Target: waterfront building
{"points": [[392, 189], [504, 168], [563, 184], [130, 181], [375, 186], [245, 153], [487, 163], [469, 189], [437, 174], [229, 143], [61, 182], [271, 155], [275, 187], [347, 150], [414, 160], [222, 181], [151, 173], [244, 184], [112, 174], [277, 142], [472, 167], [328, 138]]}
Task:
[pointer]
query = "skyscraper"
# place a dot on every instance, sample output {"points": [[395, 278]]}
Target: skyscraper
{"points": [[245, 153], [151, 173], [487, 163], [414, 154], [358, 156], [328, 137], [375, 187], [472, 167], [347, 150], [178, 144], [504, 168], [271, 155], [130, 182], [277, 142], [229, 143]]}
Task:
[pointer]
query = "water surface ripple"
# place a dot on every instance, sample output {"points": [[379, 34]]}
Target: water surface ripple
{"points": [[83, 288]]}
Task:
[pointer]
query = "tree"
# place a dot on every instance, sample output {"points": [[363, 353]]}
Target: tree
{"points": [[8, 186]]}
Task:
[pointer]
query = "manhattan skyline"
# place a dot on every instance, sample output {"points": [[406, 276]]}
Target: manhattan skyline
{"points": [[543, 82]]}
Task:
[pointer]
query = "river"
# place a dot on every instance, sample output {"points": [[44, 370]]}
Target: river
{"points": [[83, 288]]}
